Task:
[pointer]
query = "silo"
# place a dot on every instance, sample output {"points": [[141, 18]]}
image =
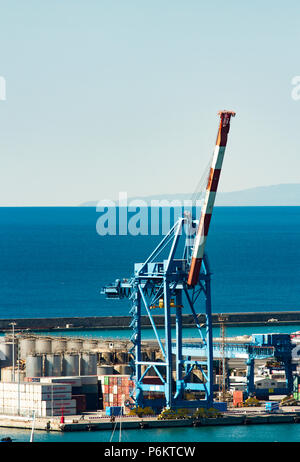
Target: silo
{"points": [[88, 364], [43, 345], [74, 344], [71, 364], [34, 366], [59, 345], [26, 347], [105, 370], [53, 365], [6, 352], [90, 344]]}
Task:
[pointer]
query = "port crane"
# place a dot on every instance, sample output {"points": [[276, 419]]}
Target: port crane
{"points": [[169, 281]]}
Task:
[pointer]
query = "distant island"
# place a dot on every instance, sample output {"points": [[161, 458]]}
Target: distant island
{"points": [[274, 195]]}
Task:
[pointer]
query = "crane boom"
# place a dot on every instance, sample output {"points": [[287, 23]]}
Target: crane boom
{"points": [[211, 190]]}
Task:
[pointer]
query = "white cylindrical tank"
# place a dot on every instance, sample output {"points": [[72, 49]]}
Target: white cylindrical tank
{"points": [[59, 345], [6, 353], [26, 347], [34, 366], [88, 364], [71, 365], [53, 365], [90, 344], [43, 345], [74, 345]]}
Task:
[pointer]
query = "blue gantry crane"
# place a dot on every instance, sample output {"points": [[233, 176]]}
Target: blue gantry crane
{"points": [[174, 276]]}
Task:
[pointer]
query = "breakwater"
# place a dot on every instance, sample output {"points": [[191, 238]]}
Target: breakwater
{"points": [[123, 322]]}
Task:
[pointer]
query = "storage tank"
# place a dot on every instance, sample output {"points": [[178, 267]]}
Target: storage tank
{"points": [[27, 347], [105, 370], [53, 365], [6, 352], [90, 344], [88, 364], [34, 366], [71, 364], [74, 345], [43, 345], [59, 345]]}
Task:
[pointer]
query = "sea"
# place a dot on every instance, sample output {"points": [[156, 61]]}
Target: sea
{"points": [[54, 263]]}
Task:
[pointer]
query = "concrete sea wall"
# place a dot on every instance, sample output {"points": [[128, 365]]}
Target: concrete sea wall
{"points": [[122, 322]]}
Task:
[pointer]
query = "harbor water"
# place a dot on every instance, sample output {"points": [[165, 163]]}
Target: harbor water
{"points": [[53, 263]]}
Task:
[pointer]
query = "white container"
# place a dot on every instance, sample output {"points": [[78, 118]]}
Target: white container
{"points": [[59, 404], [73, 380]]}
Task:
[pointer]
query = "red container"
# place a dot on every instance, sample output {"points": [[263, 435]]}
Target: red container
{"points": [[152, 380], [237, 397]]}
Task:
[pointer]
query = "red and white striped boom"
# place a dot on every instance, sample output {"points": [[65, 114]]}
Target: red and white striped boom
{"points": [[211, 190]]}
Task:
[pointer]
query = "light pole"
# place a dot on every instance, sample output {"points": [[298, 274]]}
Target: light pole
{"points": [[13, 324]]}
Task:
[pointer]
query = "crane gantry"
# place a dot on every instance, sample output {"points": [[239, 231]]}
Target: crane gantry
{"points": [[169, 282]]}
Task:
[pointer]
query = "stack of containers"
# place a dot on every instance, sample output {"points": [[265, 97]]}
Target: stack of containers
{"points": [[296, 387], [45, 399], [116, 390], [84, 390]]}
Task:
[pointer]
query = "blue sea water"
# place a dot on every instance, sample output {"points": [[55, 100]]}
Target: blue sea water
{"points": [[53, 263]]}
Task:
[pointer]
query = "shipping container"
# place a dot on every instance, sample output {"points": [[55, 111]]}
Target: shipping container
{"points": [[114, 411], [80, 402], [152, 380], [220, 406]]}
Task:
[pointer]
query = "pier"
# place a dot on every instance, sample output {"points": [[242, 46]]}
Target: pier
{"points": [[123, 322]]}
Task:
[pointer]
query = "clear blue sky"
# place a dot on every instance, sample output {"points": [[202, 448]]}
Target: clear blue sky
{"points": [[105, 96]]}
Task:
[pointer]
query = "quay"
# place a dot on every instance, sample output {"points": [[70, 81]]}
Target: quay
{"points": [[123, 322], [95, 422]]}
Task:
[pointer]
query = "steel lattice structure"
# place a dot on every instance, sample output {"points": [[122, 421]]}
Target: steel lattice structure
{"points": [[169, 282]]}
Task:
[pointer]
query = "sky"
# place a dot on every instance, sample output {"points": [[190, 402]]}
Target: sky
{"points": [[106, 96]]}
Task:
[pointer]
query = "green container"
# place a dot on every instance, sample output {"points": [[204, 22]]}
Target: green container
{"points": [[105, 380]]}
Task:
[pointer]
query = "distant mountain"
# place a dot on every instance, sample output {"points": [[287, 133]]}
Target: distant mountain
{"points": [[275, 195]]}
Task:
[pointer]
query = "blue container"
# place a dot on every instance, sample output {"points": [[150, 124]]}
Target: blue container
{"points": [[220, 406], [272, 406], [114, 411]]}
